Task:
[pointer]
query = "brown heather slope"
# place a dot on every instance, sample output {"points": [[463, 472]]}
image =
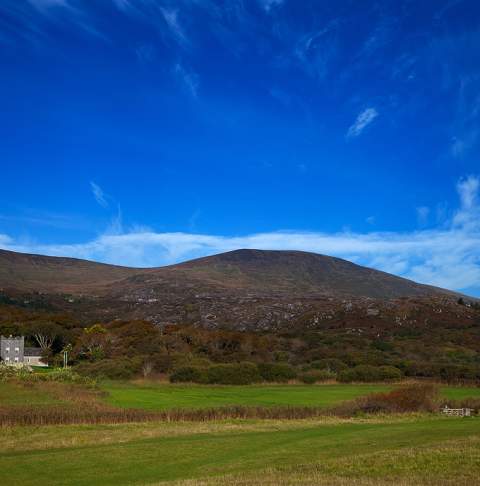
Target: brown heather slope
{"points": [[259, 272], [300, 273], [253, 290], [38, 273]]}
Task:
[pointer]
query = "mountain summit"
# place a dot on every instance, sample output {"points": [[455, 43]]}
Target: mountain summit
{"points": [[262, 272]]}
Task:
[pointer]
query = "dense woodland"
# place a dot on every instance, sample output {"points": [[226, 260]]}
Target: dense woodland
{"points": [[124, 349]]}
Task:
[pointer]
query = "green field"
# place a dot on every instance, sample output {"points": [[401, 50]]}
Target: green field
{"points": [[404, 450], [165, 396], [155, 396], [460, 392], [409, 448], [162, 397]]}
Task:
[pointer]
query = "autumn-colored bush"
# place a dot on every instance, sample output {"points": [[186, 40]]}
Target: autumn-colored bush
{"points": [[409, 398]]}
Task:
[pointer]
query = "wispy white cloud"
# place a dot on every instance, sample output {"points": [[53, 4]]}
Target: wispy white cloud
{"points": [[36, 217], [193, 219], [315, 51], [162, 16], [447, 256], [468, 216], [468, 190], [423, 213], [364, 119], [123, 5], [302, 168], [145, 53], [187, 78], [269, 4], [31, 20], [171, 18], [45, 4], [99, 195]]}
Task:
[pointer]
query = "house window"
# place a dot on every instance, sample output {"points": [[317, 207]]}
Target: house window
{"points": [[7, 349], [16, 359], [17, 350], [7, 359]]}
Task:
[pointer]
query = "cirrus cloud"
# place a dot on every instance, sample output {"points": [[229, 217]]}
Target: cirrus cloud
{"points": [[364, 119]]}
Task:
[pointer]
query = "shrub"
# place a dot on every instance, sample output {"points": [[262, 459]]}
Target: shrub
{"points": [[307, 378], [390, 373], [26, 374], [315, 376], [382, 345], [189, 374], [220, 374], [233, 374], [181, 360], [411, 398], [116, 369], [65, 376], [279, 372], [370, 373], [330, 364], [11, 372]]}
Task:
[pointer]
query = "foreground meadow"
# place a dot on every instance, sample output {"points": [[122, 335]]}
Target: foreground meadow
{"points": [[413, 449], [131, 445]]}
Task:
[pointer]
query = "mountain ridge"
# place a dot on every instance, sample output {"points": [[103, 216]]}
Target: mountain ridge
{"points": [[262, 271], [254, 290]]}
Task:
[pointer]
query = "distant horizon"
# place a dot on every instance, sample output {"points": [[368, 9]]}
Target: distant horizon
{"points": [[145, 133]]}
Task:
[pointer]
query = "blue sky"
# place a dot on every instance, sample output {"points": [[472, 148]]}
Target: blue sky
{"points": [[146, 132]]}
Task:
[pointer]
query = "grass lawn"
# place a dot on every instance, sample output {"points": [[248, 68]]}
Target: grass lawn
{"points": [[418, 449], [460, 392], [156, 396], [164, 396]]}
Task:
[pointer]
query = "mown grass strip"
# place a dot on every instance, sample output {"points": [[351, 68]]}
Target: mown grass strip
{"points": [[203, 455]]}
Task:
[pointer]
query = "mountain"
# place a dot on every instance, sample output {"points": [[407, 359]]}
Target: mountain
{"points": [[258, 271], [38, 273], [241, 289], [300, 273]]}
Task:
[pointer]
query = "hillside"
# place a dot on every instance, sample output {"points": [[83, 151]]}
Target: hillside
{"points": [[299, 273], [243, 290], [38, 273], [252, 271]]}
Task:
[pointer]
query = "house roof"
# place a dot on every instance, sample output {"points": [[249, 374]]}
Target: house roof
{"points": [[32, 352]]}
